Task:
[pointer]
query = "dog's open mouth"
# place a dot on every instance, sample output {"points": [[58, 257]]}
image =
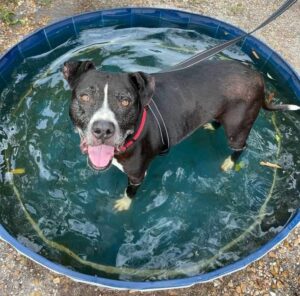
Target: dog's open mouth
{"points": [[99, 156]]}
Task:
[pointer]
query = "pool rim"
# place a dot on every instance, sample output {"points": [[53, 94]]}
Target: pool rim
{"points": [[161, 284]]}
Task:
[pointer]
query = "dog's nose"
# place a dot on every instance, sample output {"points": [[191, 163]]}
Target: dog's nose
{"points": [[103, 129]]}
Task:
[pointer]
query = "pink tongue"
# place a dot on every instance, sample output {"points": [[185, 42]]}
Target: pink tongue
{"points": [[101, 155]]}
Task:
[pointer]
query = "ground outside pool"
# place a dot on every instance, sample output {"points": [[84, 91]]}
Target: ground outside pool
{"points": [[190, 222]]}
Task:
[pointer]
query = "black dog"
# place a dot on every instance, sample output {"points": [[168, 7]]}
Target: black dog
{"points": [[129, 118]]}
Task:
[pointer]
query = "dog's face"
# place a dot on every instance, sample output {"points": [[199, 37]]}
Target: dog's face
{"points": [[105, 108]]}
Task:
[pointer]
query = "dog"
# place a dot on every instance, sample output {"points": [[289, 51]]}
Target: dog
{"points": [[126, 119]]}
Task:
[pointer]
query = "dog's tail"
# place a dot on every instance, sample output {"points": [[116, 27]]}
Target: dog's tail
{"points": [[267, 105], [282, 107]]}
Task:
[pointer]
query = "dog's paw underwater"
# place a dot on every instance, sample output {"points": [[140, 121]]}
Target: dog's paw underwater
{"points": [[228, 164], [122, 204]]}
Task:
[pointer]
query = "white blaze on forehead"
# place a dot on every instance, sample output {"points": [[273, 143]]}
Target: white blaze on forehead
{"points": [[105, 101], [105, 113]]}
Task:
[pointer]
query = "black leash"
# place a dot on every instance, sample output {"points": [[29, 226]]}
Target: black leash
{"points": [[197, 58]]}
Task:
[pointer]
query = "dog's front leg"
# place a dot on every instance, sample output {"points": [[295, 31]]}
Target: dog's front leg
{"points": [[123, 204], [135, 169]]}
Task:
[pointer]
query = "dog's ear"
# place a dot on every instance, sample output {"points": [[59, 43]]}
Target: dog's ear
{"points": [[144, 84], [73, 69]]}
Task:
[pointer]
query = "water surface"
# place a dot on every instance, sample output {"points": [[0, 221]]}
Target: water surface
{"points": [[188, 217]]}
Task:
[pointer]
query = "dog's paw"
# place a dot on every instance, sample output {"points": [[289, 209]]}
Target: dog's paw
{"points": [[122, 204], [209, 126], [227, 165]]}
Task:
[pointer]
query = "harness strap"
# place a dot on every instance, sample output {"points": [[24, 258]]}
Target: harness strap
{"points": [[161, 125]]}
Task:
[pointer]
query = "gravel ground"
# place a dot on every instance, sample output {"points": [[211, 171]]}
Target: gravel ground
{"points": [[278, 273]]}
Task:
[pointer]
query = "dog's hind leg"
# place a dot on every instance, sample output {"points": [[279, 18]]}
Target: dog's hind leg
{"points": [[230, 161], [237, 125]]}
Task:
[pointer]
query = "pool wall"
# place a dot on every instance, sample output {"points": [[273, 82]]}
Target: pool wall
{"points": [[52, 36]]}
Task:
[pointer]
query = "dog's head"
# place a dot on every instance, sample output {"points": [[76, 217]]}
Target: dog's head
{"points": [[105, 108]]}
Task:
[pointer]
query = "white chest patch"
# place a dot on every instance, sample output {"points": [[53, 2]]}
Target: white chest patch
{"points": [[118, 165]]}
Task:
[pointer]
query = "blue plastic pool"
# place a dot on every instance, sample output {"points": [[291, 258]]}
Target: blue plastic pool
{"points": [[56, 41]]}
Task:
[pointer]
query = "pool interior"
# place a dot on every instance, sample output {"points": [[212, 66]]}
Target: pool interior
{"points": [[188, 217]]}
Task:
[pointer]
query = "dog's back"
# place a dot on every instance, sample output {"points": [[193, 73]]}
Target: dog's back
{"points": [[212, 90]]}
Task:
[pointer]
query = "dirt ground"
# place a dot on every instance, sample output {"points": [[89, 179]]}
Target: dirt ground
{"points": [[278, 273]]}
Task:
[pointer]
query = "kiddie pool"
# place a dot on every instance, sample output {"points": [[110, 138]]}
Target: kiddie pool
{"points": [[58, 33]]}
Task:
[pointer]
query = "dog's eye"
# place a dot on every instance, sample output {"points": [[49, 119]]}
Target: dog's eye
{"points": [[125, 102], [84, 98]]}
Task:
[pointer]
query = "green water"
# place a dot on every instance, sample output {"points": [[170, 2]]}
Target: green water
{"points": [[188, 216]]}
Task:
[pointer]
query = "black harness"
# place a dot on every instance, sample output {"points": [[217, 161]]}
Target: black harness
{"points": [[161, 126]]}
